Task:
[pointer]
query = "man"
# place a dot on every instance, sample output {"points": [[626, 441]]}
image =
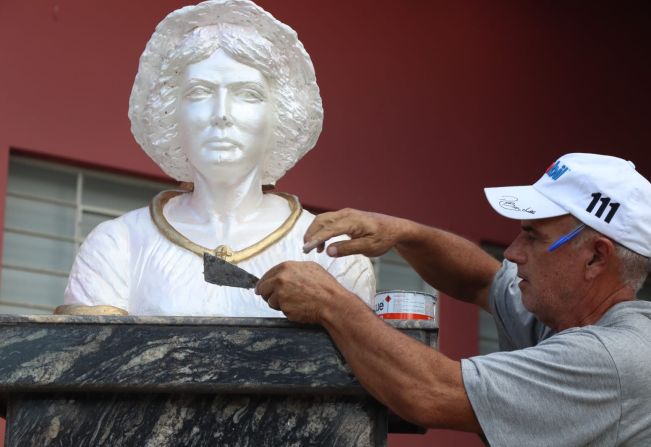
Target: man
{"points": [[578, 370]]}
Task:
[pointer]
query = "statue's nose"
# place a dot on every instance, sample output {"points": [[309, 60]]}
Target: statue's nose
{"points": [[221, 114], [221, 121]]}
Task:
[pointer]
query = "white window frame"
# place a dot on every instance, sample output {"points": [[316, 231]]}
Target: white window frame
{"points": [[79, 207]]}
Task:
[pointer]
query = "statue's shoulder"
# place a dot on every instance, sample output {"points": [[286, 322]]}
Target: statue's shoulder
{"points": [[129, 224], [135, 217], [307, 216], [303, 222]]}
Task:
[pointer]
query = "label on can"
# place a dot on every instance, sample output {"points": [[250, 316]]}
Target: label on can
{"points": [[405, 305]]}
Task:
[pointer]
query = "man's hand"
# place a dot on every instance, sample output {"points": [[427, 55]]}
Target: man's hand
{"points": [[371, 234], [303, 291]]}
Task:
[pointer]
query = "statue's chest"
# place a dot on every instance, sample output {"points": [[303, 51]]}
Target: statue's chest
{"points": [[169, 281]]}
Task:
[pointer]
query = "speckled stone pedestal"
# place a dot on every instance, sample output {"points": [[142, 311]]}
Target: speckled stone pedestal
{"points": [[149, 381]]}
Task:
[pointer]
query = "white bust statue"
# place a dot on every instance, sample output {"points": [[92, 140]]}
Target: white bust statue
{"points": [[225, 98]]}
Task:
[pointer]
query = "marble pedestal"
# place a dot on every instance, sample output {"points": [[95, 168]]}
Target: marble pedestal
{"points": [[153, 381]]}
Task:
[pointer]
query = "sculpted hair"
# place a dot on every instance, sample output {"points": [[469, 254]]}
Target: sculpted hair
{"points": [[248, 47]]}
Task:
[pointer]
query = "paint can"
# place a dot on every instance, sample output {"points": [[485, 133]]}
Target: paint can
{"points": [[405, 305]]}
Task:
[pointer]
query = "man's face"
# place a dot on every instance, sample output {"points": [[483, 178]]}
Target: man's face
{"points": [[552, 284]]}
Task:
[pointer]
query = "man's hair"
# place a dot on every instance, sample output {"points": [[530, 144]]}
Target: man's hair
{"points": [[633, 267]]}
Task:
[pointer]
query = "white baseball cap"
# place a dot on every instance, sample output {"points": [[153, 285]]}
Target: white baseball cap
{"points": [[605, 193]]}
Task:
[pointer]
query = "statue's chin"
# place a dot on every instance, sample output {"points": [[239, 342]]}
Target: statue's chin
{"points": [[221, 155]]}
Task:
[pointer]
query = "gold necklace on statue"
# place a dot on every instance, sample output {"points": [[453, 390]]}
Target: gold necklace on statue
{"points": [[222, 251]]}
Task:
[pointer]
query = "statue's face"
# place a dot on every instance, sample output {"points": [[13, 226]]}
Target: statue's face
{"points": [[225, 116]]}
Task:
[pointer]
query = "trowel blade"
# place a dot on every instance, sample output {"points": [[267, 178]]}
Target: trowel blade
{"points": [[217, 271]]}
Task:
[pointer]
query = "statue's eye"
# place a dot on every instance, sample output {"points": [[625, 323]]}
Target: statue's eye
{"points": [[250, 94], [197, 92]]}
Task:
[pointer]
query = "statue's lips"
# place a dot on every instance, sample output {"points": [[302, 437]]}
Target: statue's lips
{"points": [[223, 144]]}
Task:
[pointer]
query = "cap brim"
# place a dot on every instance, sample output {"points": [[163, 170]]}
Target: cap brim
{"points": [[522, 203]]}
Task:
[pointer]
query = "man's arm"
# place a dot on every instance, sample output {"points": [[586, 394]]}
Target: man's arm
{"points": [[418, 383], [450, 263]]}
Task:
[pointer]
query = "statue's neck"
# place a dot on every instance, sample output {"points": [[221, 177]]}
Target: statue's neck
{"points": [[232, 201], [237, 214]]}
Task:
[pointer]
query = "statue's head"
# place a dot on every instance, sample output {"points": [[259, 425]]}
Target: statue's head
{"points": [[225, 35]]}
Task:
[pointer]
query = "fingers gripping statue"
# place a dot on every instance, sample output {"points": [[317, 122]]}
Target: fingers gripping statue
{"points": [[225, 98]]}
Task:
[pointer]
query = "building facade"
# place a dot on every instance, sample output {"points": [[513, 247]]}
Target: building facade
{"points": [[425, 104]]}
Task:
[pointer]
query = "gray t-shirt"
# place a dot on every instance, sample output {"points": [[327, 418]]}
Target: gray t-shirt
{"points": [[585, 386]]}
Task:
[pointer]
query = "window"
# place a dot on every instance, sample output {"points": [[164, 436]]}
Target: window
{"points": [[50, 209], [645, 291], [392, 272]]}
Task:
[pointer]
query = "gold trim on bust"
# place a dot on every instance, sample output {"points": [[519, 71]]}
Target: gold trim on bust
{"points": [[223, 251], [77, 309]]}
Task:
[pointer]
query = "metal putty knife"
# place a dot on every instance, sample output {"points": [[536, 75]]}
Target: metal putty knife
{"points": [[217, 271]]}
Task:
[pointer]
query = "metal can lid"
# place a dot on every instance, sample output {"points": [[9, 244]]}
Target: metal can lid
{"points": [[414, 292]]}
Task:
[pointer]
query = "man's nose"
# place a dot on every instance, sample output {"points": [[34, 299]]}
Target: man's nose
{"points": [[221, 113], [514, 252]]}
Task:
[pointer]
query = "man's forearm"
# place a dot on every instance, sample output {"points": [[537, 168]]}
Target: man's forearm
{"points": [[415, 381], [450, 263]]}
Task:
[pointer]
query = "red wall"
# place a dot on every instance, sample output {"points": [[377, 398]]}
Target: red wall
{"points": [[425, 102]]}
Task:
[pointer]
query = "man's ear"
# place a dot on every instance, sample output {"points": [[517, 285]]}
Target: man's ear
{"points": [[603, 252]]}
